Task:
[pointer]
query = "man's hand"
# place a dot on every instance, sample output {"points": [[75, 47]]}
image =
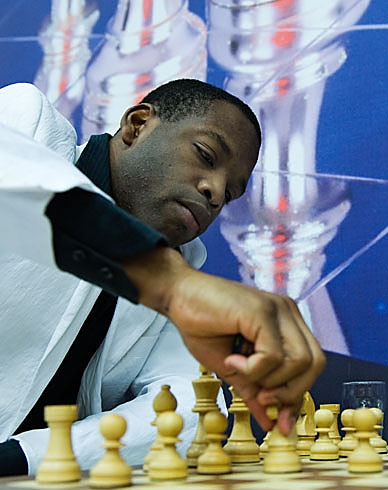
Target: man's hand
{"points": [[209, 312]]}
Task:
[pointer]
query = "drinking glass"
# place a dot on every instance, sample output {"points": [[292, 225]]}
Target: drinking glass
{"points": [[356, 394]]}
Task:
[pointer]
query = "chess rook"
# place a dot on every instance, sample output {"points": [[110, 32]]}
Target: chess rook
{"points": [[59, 464]]}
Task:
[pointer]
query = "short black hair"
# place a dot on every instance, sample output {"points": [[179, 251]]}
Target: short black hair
{"points": [[187, 97]]}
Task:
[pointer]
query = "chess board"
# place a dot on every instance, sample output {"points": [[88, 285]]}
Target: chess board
{"points": [[314, 475]]}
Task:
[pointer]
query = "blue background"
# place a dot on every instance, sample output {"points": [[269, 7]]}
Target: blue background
{"points": [[352, 142]]}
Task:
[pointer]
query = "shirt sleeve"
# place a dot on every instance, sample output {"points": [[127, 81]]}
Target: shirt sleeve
{"points": [[12, 459], [92, 235]]}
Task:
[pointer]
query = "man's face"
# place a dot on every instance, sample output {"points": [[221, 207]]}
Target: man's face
{"points": [[178, 176]]}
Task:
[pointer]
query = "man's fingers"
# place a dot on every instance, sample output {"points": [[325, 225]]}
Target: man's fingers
{"points": [[250, 394], [259, 413], [257, 366], [281, 349], [303, 359], [288, 394], [291, 391], [286, 358], [297, 357], [262, 331], [286, 420], [267, 341], [319, 359]]}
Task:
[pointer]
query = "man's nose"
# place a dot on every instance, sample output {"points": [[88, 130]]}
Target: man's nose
{"points": [[213, 188]]}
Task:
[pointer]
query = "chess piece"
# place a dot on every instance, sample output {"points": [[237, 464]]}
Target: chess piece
{"points": [[334, 408], [111, 470], [241, 446], [264, 445], [167, 464], [323, 449], [59, 464], [281, 456], [164, 401], [349, 441], [214, 460], [206, 390], [376, 440], [364, 459], [305, 426]]}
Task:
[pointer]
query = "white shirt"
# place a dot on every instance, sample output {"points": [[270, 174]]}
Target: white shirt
{"points": [[42, 308]]}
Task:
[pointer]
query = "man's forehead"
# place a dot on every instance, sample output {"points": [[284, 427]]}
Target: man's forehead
{"points": [[219, 117], [213, 110], [224, 123], [228, 118]]}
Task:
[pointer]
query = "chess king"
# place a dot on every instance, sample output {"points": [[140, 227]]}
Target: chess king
{"points": [[99, 292]]}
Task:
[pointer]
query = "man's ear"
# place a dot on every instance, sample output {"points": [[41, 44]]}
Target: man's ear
{"points": [[135, 120]]}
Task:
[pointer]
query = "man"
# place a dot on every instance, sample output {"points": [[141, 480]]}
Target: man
{"points": [[179, 156]]}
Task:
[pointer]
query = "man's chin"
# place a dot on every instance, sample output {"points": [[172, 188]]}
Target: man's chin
{"points": [[176, 243]]}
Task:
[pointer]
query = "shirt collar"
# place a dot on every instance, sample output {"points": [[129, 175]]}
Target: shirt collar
{"points": [[94, 161]]}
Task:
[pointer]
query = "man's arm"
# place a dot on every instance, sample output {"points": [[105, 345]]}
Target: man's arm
{"points": [[210, 311]]}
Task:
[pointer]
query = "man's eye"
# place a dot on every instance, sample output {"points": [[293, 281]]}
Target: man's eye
{"points": [[205, 155]]}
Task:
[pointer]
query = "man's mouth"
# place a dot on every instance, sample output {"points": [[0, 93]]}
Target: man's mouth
{"points": [[195, 216], [189, 220]]}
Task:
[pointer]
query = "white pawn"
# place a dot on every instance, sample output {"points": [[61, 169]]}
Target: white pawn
{"points": [[167, 464], [264, 445], [364, 459], [59, 464], [111, 470], [164, 401], [333, 432], [376, 440], [349, 441], [323, 449], [214, 460], [281, 456]]}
